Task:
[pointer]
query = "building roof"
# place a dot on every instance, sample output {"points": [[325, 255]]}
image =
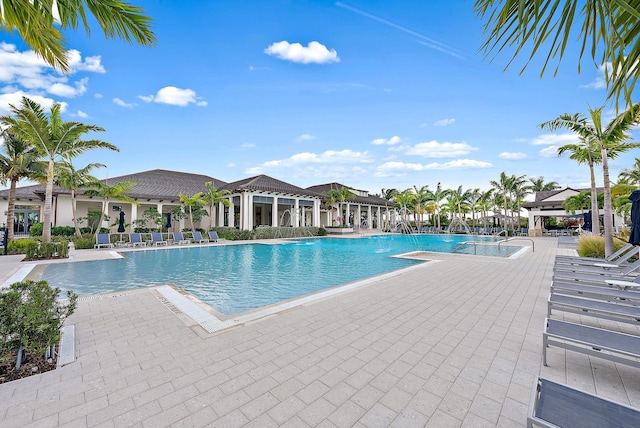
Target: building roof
{"points": [[264, 183], [369, 199], [154, 184], [541, 198]]}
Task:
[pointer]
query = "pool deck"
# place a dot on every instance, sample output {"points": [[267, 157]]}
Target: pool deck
{"points": [[451, 344]]}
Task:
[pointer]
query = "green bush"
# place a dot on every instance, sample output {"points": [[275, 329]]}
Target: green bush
{"points": [[322, 231], [36, 229], [63, 231], [19, 246], [83, 242], [593, 246]]}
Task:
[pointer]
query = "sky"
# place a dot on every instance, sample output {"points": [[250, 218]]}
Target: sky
{"points": [[370, 94]]}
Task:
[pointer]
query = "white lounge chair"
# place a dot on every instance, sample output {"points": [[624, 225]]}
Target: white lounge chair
{"points": [[156, 239], [197, 237], [103, 240], [178, 238], [619, 347], [555, 405]]}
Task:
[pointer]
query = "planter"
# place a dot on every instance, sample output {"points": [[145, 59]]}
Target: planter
{"points": [[339, 230]]}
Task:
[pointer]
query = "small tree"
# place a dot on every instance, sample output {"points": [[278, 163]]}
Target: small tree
{"points": [[193, 207]]}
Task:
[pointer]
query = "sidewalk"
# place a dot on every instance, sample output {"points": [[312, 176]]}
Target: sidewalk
{"points": [[456, 343]]}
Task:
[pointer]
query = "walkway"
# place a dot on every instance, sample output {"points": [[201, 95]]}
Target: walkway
{"points": [[452, 344]]}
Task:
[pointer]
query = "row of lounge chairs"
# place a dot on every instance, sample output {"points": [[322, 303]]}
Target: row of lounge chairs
{"points": [[605, 289], [135, 239]]}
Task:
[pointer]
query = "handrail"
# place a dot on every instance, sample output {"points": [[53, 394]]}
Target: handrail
{"points": [[533, 244]]}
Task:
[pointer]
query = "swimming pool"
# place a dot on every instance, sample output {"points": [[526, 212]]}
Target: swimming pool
{"points": [[237, 278]]}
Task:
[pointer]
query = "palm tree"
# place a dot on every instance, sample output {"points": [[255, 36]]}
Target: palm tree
{"points": [[586, 153], [213, 197], [608, 30], [75, 179], [630, 176], [437, 196], [473, 197], [579, 202], [519, 192], [421, 198], [485, 203], [339, 196], [405, 200], [18, 160], [539, 185], [115, 192], [191, 205], [52, 138], [36, 22], [612, 141], [504, 186]]}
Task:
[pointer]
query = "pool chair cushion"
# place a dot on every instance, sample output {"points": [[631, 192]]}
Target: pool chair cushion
{"points": [[556, 405]]}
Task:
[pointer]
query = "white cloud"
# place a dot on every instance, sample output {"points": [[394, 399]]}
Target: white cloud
{"points": [[231, 165], [80, 113], [68, 91], [434, 149], [174, 96], [15, 98], [245, 146], [444, 122], [90, 63], [389, 142], [549, 152], [314, 52], [512, 156], [305, 137], [599, 82], [122, 103], [555, 139], [339, 162], [398, 169]]}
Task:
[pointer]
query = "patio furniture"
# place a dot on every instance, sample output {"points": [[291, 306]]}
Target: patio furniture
{"points": [[178, 238], [619, 257], [197, 237], [595, 308], [555, 405], [597, 342], [601, 268], [135, 240], [156, 239], [103, 240], [596, 292], [213, 236]]}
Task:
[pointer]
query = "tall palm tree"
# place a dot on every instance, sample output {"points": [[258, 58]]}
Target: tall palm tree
{"points": [[107, 192], [473, 197], [339, 196], [53, 138], [37, 23], [420, 201], [213, 197], [191, 204], [579, 202], [485, 203], [519, 192], [18, 160], [608, 29], [538, 184], [437, 197], [405, 200], [630, 175], [504, 186], [74, 179], [612, 141]]}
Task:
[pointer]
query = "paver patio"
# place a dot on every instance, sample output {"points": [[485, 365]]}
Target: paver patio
{"points": [[452, 344]]}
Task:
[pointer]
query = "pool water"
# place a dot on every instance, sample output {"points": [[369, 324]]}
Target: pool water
{"points": [[236, 278]]}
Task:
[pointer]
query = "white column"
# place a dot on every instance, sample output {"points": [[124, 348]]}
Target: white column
{"points": [[296, 213], [347, 213], [274, 211], [134, 214], [357, 216], [379, 218], [232, 215], [369, 219], [316, 213], [246, 211], [220, 215]]}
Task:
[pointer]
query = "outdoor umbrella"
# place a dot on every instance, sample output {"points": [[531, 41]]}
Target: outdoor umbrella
{"points": [[587, 221], [121, 223], [168, 220], [634, 235]]}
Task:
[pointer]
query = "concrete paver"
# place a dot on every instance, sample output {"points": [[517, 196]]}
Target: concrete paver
{"points": [[456, 343]]}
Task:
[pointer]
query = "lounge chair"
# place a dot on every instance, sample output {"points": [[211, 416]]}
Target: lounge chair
{"points": [[620, 347], [213, 236], [156, 239], [103, 240], [178, 238], [598, 273], [135, 240], [197, 237], [595, 308], [555, 405], [620, 257], [597, 292]]}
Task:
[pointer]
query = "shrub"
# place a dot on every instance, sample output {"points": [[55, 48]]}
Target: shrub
{"points": [[63, 231], [83, 242], [593, 246], [36, 229], [322, 231], [19, 246]]}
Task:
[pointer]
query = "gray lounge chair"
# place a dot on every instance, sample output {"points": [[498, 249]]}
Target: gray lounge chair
{"points": [[620, 347], [135, 240], [103, 240], [597, 292], [555, 405], [213, 236], [604, 268], [595, 308], [179, 239], [156, 239], [619, 257], [197, 237]]}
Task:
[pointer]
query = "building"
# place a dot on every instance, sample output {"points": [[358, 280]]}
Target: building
{"points": [[254, 202]]}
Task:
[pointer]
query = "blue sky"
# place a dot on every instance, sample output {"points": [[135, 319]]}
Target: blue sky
{"points": [[370, 94]]}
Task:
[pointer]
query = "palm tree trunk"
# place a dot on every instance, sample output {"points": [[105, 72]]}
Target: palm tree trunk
{"points": [[11, 209], [608, 220], [102, 213], [73, 211], [595, 215], [48, 196]]}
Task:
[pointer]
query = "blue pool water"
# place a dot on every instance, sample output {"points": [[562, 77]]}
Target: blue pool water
{"points": [[236, 278]]}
